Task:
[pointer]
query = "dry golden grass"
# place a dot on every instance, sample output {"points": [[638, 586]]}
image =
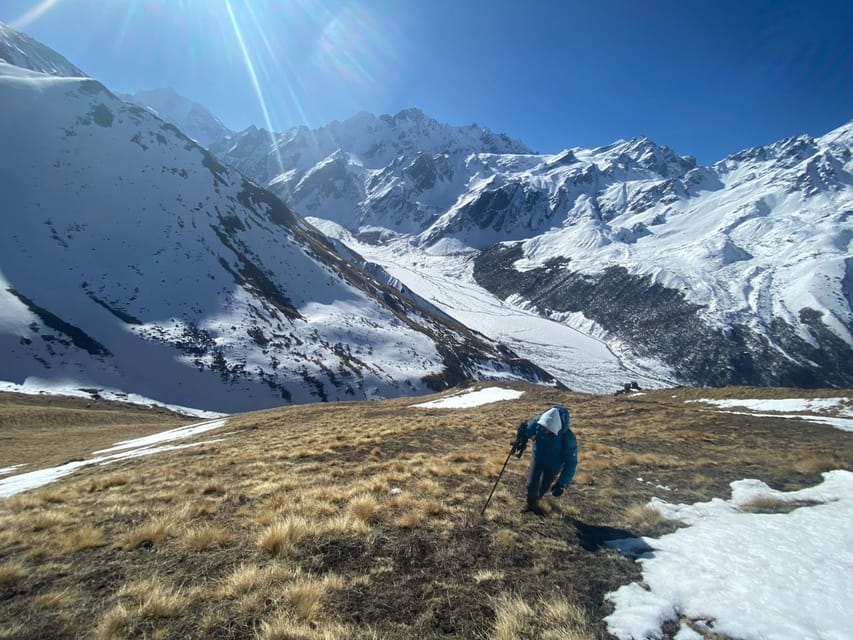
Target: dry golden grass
{"points": [[60, 600], [488, 575], [551, 619], [364, 507], [12, 571], [110, 625], [278, 532], [372, 484], [285, 536], [283, 627], [566, 621], [513, 620], [44, 520], [207, 537], [152, 598], [506, 538], [108, 482], [306, 595], [214, 489], [86, 537], [769, 504], [10, 631], [31, 423], [649, 460], [154, 532], [644, 518], [410, 519], [201, 509], [816, 464], [582, 476], [246, 579], [341, 526]]}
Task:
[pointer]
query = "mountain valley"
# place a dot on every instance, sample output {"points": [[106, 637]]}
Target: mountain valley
{"points": [[429, 255]]}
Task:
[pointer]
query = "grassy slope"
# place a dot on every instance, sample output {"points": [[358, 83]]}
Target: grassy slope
{"points": [[30, 424], [288, 527]]}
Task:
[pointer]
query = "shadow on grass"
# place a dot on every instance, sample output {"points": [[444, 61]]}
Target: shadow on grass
{"points": [[595, 537]]}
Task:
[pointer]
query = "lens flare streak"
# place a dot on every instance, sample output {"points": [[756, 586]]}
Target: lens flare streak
{"points": [[250, 67], [33, 14]]}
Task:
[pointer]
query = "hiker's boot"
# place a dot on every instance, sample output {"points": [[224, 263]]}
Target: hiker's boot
{"points": [[535, 508]]}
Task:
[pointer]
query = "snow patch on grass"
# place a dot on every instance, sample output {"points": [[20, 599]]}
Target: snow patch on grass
{"points": [[812, 409], [127, 449], [784, 405], [5, 471], [165, 436], [781, 575], [470, 399]]}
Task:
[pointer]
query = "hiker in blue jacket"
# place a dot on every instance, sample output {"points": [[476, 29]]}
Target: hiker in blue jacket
{"points": [[555, 452]]}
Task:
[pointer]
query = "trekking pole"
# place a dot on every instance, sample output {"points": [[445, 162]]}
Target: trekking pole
{"points": [[516, 446]]}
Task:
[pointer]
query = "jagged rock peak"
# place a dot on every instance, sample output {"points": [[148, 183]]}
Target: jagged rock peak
{"points": [[644, 153], [795, 149], [413, 128], [413, 113]]}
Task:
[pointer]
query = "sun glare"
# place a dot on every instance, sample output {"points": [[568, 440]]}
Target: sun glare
{"points": [[33, 14], [294, 54], [281, 65], [250, 67], [351, 46]]}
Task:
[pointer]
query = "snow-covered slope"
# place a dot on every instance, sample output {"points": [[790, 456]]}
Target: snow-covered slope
{"points": [[21, 50], [131, 259], [190, 117], [736, 273], [577, 356]]}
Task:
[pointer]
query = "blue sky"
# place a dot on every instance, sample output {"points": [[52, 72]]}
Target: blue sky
{"points": [[706, 78]]}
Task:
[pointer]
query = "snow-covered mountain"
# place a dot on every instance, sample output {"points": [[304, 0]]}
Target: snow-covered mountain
{"points": [[598, 264], [21, 50], [365, 171], [132, 259], [190, 117], [736, 273]]}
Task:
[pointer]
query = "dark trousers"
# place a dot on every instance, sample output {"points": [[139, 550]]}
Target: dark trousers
{"points": [[539, 480]]}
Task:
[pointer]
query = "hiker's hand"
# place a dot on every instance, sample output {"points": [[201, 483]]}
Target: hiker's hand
{"points": [[557, 490], [520, 443]]}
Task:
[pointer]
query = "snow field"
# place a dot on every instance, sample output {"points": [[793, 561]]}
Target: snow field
{"points": [[578, 357], [469, 399], [779, 576], [784, 404], [815, 406]]}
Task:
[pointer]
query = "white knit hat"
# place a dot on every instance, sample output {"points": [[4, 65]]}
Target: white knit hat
{"points": [[551, 420]]}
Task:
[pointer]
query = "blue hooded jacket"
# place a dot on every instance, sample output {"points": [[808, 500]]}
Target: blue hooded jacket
{"points": [[555, 451]]}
